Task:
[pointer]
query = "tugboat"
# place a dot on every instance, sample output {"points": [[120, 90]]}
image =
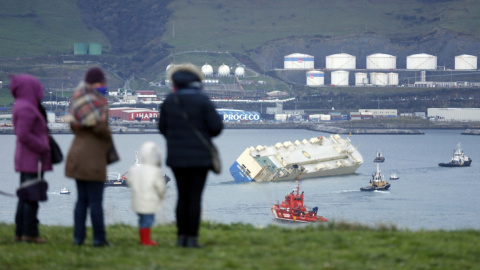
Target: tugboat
{"points": [[379, 157], [377, 182], [394, 176], [65, 191], [120, 180], [292, 209], [458, 159]]}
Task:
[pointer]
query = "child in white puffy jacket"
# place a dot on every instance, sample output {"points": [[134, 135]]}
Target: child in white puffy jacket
{"points": [[148, 185]]}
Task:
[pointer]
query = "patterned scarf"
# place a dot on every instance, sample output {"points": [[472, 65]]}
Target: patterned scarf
{"points": [[88, 107]]}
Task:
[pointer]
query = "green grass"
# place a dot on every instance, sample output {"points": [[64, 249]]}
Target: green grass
{"points": [[237, 26], [6, 97], [55, 28], [240, 246]]}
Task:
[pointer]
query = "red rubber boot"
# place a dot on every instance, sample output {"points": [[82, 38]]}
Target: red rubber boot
{"points": [[145, 237]]}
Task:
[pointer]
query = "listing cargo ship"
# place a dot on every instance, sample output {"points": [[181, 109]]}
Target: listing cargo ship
{"points": [[317, 157]]}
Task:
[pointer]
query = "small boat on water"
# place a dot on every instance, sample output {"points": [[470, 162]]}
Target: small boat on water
{"points": [[379, 157], [120, 180], [458, 159], [116, 181], [293, 209], [377, 182], [394, 176], [65, 191]]}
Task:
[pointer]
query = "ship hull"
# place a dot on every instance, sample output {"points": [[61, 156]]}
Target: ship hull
{"points": [[240, 174], [317, 157], [465, 164], [280, 214], [369, 188]]}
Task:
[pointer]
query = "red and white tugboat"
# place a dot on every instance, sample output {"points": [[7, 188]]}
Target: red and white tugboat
{"points": [[292, 209]]}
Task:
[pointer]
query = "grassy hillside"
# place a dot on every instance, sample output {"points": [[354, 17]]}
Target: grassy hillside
{"points": [[31, 27], [51, 27], [239, 246], [244, 25]]}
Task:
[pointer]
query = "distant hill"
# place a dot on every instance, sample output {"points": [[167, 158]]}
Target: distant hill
{"points": [[137, 35]]}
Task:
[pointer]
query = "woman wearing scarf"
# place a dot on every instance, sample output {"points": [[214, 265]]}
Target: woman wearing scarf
{"points": [[87, 159]]}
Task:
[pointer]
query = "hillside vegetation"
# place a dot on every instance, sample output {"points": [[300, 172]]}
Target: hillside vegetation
{"points": [[140, 37]]}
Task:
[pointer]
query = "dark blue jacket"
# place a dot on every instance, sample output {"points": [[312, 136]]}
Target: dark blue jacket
{"points": [[184, 148]]}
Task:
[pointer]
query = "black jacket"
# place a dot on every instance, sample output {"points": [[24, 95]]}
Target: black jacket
{"points": [[184, 148]]}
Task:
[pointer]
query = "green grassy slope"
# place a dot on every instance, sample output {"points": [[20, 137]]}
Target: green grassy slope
{"points": [[241, 246], [51, 27], [242, 25], [31, 27]]}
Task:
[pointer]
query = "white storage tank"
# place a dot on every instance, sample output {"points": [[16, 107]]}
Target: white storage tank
{"points": [[207, 70], [339, 77], [392, 78], [361, 78], [421, 61], [381, 61], [465, 62], [315, 78], [298, 61], [341, 61], [378, 78], [223, 71], [239, 72]]}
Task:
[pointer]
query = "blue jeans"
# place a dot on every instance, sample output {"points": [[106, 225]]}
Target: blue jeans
{"points": [[26, 222], [145, 220], [90, 195]]}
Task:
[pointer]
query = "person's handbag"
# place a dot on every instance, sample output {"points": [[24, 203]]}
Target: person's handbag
{"points": [[112, 155], [34, 190], [56, 152], [216, 164]]}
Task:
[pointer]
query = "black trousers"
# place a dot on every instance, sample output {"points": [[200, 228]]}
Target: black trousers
{"points": [[190, 183], [26, 222]]}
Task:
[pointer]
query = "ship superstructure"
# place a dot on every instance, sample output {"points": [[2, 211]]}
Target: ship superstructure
{"points": [[316, 157]]}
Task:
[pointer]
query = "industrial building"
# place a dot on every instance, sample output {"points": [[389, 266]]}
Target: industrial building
{"points": [[134, 114], [299, 61], [454, 114], [378, 113]]}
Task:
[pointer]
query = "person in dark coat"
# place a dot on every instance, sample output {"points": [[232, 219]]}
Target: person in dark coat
{"points": [[87, 159], [187, 155], [32, 144]]}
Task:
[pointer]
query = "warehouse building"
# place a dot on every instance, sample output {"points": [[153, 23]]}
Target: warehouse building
{"points": [[454, 114]]}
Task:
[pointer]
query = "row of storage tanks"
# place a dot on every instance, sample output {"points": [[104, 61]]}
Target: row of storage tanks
{"points": [[377, 61], [223, 70], [340, 78]]}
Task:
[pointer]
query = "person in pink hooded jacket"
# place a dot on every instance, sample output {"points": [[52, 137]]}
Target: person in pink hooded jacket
{"points": [[30, 126]]}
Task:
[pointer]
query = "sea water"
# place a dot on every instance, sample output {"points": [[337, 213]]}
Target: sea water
{"points": [[425, 197]]}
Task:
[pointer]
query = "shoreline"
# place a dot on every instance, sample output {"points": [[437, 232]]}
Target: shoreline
{"points": [[151, 128]]}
